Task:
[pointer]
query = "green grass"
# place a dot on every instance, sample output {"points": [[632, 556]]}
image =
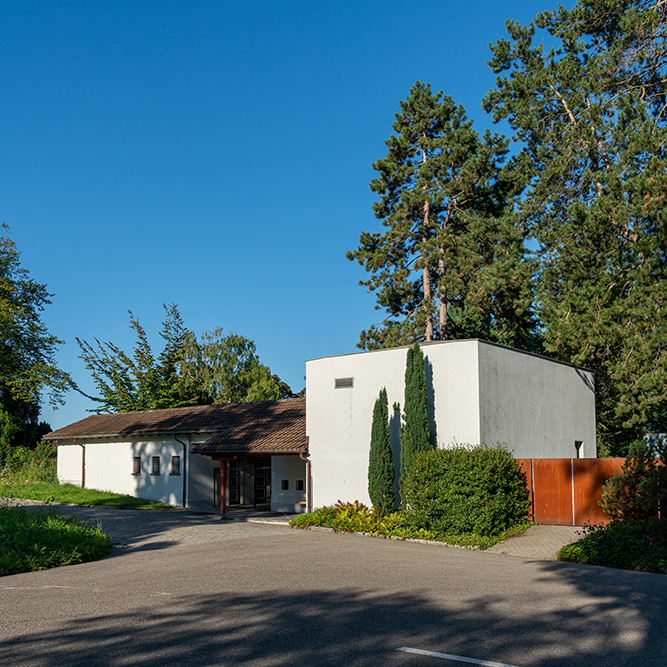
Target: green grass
{"points": [[52, 492], [356, 518], [629, 545], [37, 539]]}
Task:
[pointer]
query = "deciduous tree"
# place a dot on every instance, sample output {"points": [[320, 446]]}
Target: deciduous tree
{"points": [[27, 351], [217, 368]]}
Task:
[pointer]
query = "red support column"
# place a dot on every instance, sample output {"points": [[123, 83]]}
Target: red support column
{"points": [[223, 487]]}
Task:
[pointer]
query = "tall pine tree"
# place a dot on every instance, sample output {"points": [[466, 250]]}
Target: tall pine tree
{"points": [[451, 263], [415, 431], [381, 459], [591, 114]]}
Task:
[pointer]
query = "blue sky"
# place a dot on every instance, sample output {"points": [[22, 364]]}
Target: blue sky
{"points": [[215, 154]]}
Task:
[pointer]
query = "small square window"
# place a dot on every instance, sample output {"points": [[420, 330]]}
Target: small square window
{"points": [[284, 484], [299, 485], [175, 465], [136, 465], [155, 465]]}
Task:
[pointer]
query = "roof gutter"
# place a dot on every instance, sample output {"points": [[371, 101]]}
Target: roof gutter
{"points": [[132, 434]]}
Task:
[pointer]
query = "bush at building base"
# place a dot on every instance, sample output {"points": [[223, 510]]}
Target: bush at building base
{"points": [[475, 490]]}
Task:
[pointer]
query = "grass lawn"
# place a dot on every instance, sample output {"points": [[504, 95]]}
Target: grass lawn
{"points": [[52, 492], [39, 539]]}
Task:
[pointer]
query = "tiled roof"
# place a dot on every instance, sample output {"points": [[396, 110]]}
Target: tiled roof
{"points": [[267, 426]]}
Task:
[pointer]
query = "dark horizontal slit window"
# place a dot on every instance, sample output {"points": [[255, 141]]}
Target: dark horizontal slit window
{"points": [[343, 383]]}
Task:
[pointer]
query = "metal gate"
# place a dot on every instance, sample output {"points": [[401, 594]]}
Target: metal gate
{"points": [[567, 491]]}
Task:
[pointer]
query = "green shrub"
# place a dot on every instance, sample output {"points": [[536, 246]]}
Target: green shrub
{"points": [[639, 493], [629, 545], [466, 490], [356, 517], [30, 465]]}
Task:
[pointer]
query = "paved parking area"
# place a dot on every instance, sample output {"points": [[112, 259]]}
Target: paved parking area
{"points": [[156, 529], [135, 529], [274, 597]]}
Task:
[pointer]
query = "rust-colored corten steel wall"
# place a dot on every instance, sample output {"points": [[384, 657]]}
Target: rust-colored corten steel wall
{"points": [[567, 491]]}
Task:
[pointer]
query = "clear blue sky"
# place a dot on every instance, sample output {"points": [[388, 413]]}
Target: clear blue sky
{"points": [[215, 154]]}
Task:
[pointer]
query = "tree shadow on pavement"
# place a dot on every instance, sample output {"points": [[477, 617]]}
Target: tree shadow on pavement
{"points": [[356, 627]]}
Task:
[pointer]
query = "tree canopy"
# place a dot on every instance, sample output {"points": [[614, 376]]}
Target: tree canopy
{"points": [[584, 93], [451, 263], [27, 351], [590, 114], [217, 368]]}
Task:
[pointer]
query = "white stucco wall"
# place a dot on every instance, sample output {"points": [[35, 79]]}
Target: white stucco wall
{"points": [[109, 467], [478, 392], [290, 469], [537, 406], [338, 421], [69, 466]]}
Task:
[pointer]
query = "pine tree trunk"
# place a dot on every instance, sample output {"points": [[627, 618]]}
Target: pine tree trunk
{"points": [[442, 319], [428, 333]]}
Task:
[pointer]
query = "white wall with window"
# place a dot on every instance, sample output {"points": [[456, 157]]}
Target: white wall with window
{"points": [[288, 484], [477, 392]]}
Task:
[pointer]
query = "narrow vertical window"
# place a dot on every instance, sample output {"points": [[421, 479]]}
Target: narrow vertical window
{"points": [[175, 465], [284, 484], [155, 465], [299, 485], [578, 449], [136, 465]]}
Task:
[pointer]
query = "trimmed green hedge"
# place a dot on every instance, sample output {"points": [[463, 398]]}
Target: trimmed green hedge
{"points": [[475, 490]]}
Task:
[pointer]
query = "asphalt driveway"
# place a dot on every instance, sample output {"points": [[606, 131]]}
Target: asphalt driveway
{"points": [[262, 594]]}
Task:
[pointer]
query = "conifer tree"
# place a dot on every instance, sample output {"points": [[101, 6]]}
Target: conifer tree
{"points": [[381, 459], [591, 116], [415, 431], [451, 263]]}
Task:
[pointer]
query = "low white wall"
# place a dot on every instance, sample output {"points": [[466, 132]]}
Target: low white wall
{"points": [[69, 464], [292, 470]]}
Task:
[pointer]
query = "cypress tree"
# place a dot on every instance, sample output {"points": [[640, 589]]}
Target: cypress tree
{"points": [[415, 431], [381, 459]]}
